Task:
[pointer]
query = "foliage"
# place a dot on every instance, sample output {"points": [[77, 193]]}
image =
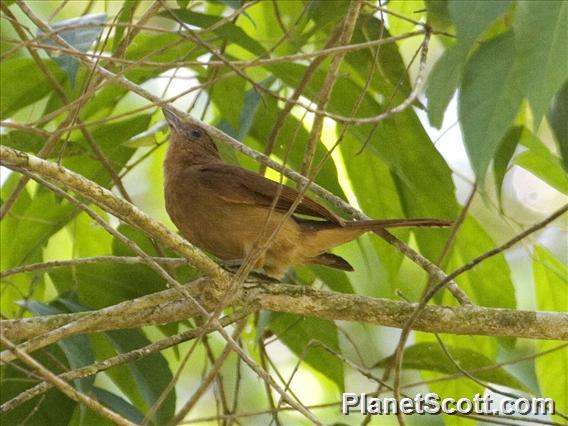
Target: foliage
{"points": [[506, 63]]}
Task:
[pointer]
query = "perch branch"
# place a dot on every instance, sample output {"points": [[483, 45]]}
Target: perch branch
{"points": [[169, 306]]}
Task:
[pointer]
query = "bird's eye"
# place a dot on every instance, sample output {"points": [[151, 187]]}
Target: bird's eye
{"points": [[196, 133]]}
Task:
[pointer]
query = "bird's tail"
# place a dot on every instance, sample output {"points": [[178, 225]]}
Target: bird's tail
{"points": [[320, 236], [399, 223]]}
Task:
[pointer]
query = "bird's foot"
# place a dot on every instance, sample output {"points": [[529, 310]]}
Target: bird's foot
{"points": [[233, 266]]}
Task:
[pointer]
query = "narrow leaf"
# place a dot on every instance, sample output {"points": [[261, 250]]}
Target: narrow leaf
{"points": [[297, 332], [551, 285], [151, 373], [471, 19], [228, 31], [503, 156], [77, 348], [546, 167], [22, 83], [540, 30], [489, 99], [557, 117], [83, 32], [443, 82], [124, 16], [119, 405], [431, 357]]}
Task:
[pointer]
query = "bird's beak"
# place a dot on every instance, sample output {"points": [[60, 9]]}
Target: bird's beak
{"points": [[173, 120]]}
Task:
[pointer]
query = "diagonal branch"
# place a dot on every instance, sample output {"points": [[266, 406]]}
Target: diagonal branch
{"points": [[325, 93], [65, 387]]}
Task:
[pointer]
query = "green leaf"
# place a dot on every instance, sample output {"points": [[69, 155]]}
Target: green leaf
{"points": [[546, 167], [28, 233], [499, 292], [250, 104], [89, 238], [77, 348], [333, 278], [390, 76], [551, 285], [22, 83], [327, 17], [471, 19], [29, 142], [438, 14], [81, 38], [443, 82], [152, 373], [414, 9], [431, 357], [233, 4], [228, 31], [118, 405], [228, 96], [124, 16], [86, 417], [110, 137], [366, 172], [52, 408], [489, 99], [551, 281], [106, 284], [541, 162], [297, 332], [292, 130], [557, 118], [16, 287], [540, 40], [503, 156], [131, 276], [135, 235]]}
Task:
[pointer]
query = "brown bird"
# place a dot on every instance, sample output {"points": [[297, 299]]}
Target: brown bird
{"points": [[223, 209]]}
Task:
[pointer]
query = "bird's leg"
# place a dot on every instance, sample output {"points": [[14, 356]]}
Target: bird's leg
{"points": [[233, 266], [231, 263]]}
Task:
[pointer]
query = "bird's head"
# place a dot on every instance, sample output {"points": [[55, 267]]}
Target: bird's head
{"points": [[190, 141]]}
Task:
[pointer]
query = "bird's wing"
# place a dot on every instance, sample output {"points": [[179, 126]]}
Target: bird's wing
{"points": [[237, 185]]}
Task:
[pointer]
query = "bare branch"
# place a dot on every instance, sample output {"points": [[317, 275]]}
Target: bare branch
{"points": [[55, 264], [65, 387], [169, 305], [120, 359]]}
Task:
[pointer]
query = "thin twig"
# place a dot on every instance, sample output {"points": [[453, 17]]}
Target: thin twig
{"points": [[399, 353], [204, 385], [56, 264], [123, 358], [65, 387], [324, 95]]}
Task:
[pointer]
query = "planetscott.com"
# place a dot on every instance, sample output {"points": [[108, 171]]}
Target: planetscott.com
{"points": [[431, 403]]}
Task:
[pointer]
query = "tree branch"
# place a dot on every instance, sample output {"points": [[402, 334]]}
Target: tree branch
{"points": [[65, 387], [169, 306]]}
